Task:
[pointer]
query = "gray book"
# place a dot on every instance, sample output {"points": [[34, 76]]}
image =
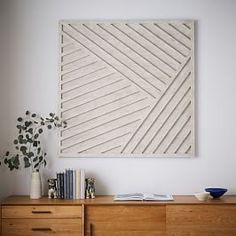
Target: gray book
{"points": [[74, 184], [58, 185], [65, 196], [71, 185], [67, 184]]}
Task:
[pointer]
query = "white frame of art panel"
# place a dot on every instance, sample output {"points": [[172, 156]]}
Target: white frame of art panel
{"points": [[127, 88]]}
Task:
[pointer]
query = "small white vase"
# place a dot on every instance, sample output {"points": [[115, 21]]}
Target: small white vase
{"points": [[35, 186]]}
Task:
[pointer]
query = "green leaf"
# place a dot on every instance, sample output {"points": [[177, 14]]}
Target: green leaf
{"points": [[49, 126], [23, 149], [33, 115], [16, 161], [11, 167], [27, 162], [24, 141], [19, 127], [36, 136], [19, 119], [35, 159], [40, 130], [31, 154], [40, 158], [36, 165], [44, 162], [30, 130], [38, 150], [7, 153], [27, 113], [35, 144], [15, 142], [51, 114]]}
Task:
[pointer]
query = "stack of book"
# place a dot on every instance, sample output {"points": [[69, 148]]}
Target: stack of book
{"points": [[71, 184]]}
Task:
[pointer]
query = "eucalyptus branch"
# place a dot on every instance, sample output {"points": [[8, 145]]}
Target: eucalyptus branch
{"points": [[28, 142]]}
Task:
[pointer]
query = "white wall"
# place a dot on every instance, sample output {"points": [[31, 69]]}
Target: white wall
{"points": [[32, 84], [4, 84]]}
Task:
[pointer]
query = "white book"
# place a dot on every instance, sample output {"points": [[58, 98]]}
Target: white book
{"points": [[143, 197], [78, 185], [82, 181], [74, 184]]}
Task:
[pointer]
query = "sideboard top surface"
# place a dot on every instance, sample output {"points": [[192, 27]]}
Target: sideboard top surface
{"points": [[108, 200]]}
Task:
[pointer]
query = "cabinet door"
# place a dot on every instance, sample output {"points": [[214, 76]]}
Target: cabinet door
{"points": [[204, 220], [121, 220]]}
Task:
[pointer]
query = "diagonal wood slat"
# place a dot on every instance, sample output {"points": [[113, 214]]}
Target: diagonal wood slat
{"points": [[127, 88]]}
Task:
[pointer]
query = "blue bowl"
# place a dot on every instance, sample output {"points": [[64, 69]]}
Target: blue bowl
{"points": [[216, 192]]}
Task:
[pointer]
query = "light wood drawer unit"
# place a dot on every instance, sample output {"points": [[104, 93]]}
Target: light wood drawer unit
{"points": [[123, 220], [102, 216], [23, 227], [41, 220], [201, 220]]}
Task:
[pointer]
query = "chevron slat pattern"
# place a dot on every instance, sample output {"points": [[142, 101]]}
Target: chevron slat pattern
{"points": [[127, 88]]}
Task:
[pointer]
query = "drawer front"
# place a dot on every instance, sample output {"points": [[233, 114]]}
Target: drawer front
{"points": [[41, 212], [125, 220], [201, 220], [19, 227]]}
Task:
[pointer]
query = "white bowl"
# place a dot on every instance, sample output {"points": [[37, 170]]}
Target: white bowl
{"points": [[202, 196]]}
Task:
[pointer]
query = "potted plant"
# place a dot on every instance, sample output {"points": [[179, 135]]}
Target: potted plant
{"points": [[29, 152]]}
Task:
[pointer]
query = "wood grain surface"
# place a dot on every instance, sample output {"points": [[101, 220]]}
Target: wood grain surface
{"points": [[103, 216], [23, 227], [201, 220], [50, 212], [125, 220], [108, 200]]}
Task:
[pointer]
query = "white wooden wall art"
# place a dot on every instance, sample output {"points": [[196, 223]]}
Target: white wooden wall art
{"points": [[127, 88]]}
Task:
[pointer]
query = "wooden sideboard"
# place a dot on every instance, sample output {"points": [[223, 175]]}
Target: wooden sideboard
{"points": [[104, 217]]}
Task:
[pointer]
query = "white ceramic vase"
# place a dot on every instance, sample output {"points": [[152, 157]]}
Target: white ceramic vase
{"points": [[35, 186]]}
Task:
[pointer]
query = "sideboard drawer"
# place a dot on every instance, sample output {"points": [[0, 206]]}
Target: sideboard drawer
{"points": [[41, 212], [62, 227]]}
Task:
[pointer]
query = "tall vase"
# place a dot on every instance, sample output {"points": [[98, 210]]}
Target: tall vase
{"points": [[35, 185]]}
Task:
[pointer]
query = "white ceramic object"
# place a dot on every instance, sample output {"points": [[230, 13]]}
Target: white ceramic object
{"points": [[202, 196], [35, 186]]}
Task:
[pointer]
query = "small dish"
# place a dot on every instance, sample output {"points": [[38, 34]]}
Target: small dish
{"points": [[202, 196], [216, 192]]}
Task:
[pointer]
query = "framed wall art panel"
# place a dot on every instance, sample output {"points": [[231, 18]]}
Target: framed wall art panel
{"points": [[127, 88]]}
